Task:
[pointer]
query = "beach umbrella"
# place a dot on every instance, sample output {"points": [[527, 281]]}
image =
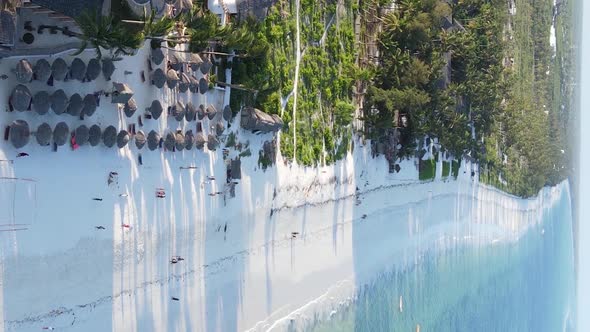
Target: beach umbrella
{"points": [[94, 135], [189, 140], [59, 101], [156, 109], [219, 128], [109, 136], [178, 111], [153, 140], [191, 112], [41, 102], [20, 98], [130, 108], [19, 133], [169, 141], [174, 61], [82, 135], [195, 61], [200, 141], [108, 68], [121, 93], [122, 139], [61, 133], [75, 105], [93, 69], [227, 113], [179, 141], [42, 70], [157, 56], [201, 112], [206, 66], [171, 78], [212, 142], [78, 69], [158, 78], [43, 134], [184, 83], [193, 84], [23, 71], [59, 69], [140, 139], [89, 105], [203, 86], [211, 112]]}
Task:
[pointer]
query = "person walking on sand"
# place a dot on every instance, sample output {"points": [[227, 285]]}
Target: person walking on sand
{"points": [[97, 199], [22, 154], [123, 195], [126, 226], [99, 227]]}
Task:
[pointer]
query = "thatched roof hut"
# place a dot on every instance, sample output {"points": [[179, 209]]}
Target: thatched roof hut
{"points": [[174, 61], [140, 139], [201, 112], [157, 56], [155, 109], [109, 136], [203, 86], [75, 105], [153, 140], [178, 110], [227, 113], [41, 102], [61, 133], [24, 71], [195, 62], [42, 70], [78, 69], [82, 134], [158, 78], [89, 105], [169, 141], [179, 141], [219, 128], [121, 93], [256, 120], [95, 135], [206, 66], [93, 70], [200, 141], [191, 112], [20, 98], [184, 83], [130, 107], [43, 134], [108, 68], [122, 139], [19, 133], [212, 142], [171, 78], [59, 69], [193, 84], [211, 112], [59, 101], [189, 140]]}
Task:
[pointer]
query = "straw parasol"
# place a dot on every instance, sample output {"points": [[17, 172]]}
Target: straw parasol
{"points": [[212, 142], [42, 70], [203, 86], [109, 136], [78, 69], [121, 93], [43, 134], [206, 66], [59, 101], [157, 56], [201, 112], [195, 61], [89, 105], [122, 139], [189, 140], [153, 140], [23, 71], [41, 102], [200, 141], [159, 78], [130, 108], [140, 139], [108, 68], [184, 83], [174, 61], [211, 112], [95, 134], [179, 141], [219, 128], [191, 112], [82, 135], [169, 141], [155, 109], [60, 133], [193, 84], [171, 78], [178, 111], [19, 133], [59, 69], [93, 69], [20, 98], [75, 105], [227, 113]]}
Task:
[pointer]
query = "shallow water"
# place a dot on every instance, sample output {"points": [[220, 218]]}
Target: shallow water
{"points": [[527, 285]]}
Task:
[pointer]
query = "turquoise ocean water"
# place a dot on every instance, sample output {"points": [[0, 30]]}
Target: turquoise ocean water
{"points": [[522, 286]]}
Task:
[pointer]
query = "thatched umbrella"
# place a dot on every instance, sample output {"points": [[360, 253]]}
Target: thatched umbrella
{"points": [[212, 142], [78, 69], [24, 71], [59, 69], [200, 141], [219, 128], [75, 105], [193, 84], [82, 135], [195, 61], [155, 109], [140, 139], [153, 140], [169, 141], [121, 93], [122, 139], [42, 70], [89, 105], [43, 134], [227, 113], [108, 68], [203, 86], [184, 83], [191, 112], [174, 61], [157, 56], [171, 78], [158, 78], [211, 112], [19, 133], [20, 99], [93, 69], [201, 112], [95, 134], [130, 107], [61, 133], [206, 66], [59, 101], [189, 140], [109, 136], [41, 102], [179, 141], [178, 111]]}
